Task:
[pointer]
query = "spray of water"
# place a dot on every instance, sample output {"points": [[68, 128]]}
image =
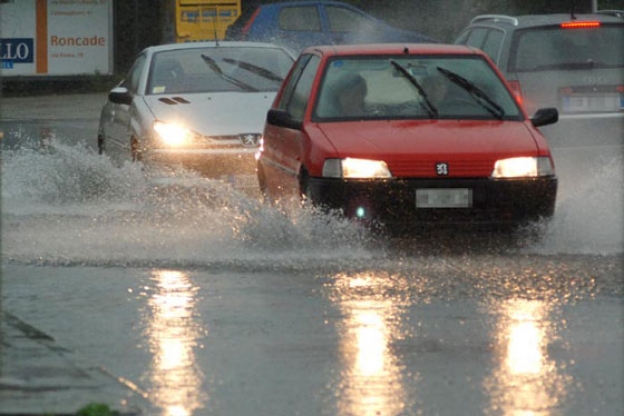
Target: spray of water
{"points": [[68, 205], [59, 176], [589, 216]]}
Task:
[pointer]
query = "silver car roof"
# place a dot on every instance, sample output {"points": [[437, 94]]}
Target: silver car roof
{"points": [[212, 44], [536, 20]]}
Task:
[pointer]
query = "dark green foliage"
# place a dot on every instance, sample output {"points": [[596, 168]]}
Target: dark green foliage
{"points": [[96, 409]]}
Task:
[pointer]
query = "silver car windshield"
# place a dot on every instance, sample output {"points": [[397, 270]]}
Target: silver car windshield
{"points": [[217, 69], [423, 87]]}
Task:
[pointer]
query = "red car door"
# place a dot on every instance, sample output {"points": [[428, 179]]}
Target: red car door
{"points": [[283, 146]]}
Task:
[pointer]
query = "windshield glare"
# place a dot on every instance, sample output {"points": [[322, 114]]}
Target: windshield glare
{"points": [[217, 69], [386, 92]]}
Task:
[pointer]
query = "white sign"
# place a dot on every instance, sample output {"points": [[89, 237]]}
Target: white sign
{"points": [[56, 37]]}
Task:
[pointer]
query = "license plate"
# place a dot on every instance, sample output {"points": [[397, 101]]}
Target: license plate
{"points": [[444, 198], [586, 103]]}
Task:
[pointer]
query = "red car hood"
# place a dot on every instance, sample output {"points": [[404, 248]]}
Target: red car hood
{"points": [[412, 147]]}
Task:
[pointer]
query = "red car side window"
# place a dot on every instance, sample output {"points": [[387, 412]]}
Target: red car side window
{"points": [[297, 90], [292, 81], [301, 94]]}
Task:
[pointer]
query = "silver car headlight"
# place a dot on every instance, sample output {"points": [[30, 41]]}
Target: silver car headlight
{"points": [[172, 134], [355, 169], [523, 167]]}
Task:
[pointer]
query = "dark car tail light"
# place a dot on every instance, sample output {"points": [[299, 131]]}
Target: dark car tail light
{"points": [[579, 25], [515, 87]]}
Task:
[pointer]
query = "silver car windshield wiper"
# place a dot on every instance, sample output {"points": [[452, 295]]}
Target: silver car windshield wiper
{"points": [[217, 70], [258, 70], [478, 94], [425, 103]]}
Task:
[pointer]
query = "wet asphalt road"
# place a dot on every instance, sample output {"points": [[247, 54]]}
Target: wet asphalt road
{"points": [[213, 323], [435, 336]]}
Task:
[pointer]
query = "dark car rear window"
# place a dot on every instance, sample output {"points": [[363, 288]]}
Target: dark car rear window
{"points": [[547, 48]]}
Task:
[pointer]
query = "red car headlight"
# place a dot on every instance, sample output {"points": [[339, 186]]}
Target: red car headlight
{"points": [[523, 167], [355, 168]]}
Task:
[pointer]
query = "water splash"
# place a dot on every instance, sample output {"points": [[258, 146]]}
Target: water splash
{"points": [[69, 205], [589, 217], [62, 176]]}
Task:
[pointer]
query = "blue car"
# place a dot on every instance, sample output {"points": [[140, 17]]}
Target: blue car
{"points": [[299, 24]]}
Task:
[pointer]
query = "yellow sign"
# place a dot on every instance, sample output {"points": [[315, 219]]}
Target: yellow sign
{"points": [[198, 20]]}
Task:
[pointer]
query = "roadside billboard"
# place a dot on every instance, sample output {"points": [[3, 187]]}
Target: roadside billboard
{"points": [[56, 38]]}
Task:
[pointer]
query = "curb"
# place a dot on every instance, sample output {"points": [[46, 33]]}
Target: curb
{"points": [[39, 377]]}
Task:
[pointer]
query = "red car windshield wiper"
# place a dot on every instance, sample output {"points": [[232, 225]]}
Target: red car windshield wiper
{"points": [[425, 103], [477, 93]]}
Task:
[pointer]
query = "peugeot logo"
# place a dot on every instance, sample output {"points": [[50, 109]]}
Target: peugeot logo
{"points": [[250, 140], [442, 169]]}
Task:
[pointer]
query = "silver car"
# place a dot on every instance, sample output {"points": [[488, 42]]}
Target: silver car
{"points": [[201, 105], [572, 62]]}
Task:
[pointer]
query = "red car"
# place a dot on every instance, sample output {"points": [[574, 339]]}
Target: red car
{"points": [[407, 135]]}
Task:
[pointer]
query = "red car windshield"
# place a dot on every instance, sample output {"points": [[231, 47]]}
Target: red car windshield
{"points": [[414, 87]]}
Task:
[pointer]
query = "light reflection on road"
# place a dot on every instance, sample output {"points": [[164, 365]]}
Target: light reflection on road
{"points": [[370, 382], [526, 381], [173, 331]]}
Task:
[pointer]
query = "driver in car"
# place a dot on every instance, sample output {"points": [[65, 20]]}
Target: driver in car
{"points": [[350, 95]]}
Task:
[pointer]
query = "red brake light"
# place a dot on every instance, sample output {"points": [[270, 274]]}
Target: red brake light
{"points": [[578, 25]]}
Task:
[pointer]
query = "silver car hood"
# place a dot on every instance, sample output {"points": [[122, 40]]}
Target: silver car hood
{"points": [[214, 114]]}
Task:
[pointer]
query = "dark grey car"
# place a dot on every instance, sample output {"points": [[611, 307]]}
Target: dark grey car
{"points": [[572, 62]]}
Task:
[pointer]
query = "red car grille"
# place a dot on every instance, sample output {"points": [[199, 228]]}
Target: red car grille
{"points": [[427, 168]]}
